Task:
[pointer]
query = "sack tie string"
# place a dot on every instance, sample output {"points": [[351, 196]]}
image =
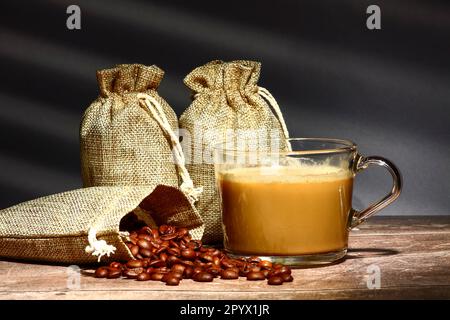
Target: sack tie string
{"points": [[156, 110]]}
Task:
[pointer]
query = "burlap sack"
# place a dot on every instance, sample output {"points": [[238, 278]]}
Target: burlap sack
{"points": [[226, 98], [127, 135], [82, 226], [121, 142]]}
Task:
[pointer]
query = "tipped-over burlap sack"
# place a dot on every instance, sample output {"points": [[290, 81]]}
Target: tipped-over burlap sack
{"points": [[227, 99], [121, 142], [82, 226]]}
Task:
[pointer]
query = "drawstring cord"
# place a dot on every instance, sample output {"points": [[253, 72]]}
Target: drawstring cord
{"points": [[263, 92], [158, 114]]}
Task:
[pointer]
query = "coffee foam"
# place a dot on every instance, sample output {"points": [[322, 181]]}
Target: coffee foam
{"points": [[282, 174]]}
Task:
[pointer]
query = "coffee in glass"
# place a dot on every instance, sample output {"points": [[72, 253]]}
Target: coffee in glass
{"points": [[294, 206]]}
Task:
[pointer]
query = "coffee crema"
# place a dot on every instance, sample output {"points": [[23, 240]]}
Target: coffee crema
{"points": [[294, 210]]}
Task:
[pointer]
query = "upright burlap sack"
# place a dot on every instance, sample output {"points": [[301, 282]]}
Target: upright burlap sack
{"points": [[127, 135], [227, 98], [82, 226], [121, 142]]}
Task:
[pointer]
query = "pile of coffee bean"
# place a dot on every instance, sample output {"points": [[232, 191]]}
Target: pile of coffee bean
{"points": [[169, 254]]}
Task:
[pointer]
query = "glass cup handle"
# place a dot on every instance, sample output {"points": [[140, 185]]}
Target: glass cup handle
{"points": [[362, 163]]}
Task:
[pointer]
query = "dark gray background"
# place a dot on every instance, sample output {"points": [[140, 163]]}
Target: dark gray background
{"points": [[388, 90]]}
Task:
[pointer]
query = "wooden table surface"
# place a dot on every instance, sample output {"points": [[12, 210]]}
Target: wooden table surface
{"points": [[411, 254]]}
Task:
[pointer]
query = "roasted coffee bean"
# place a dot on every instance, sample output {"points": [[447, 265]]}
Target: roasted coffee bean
{"points": [[156, 276], [174, 251], [227, 263], [155, 233], [114, 273], [194, 244], [216, 261], [143, 236], [188, 253], [150, 270], [144, 244], [255, 275], [101, 272], [229, 274], [135, 264], [146, 229], [173, 275], [277, 266], [146, 262], [172, 281], [280, 271], [274, 272], [164, 243], [163, 270], [163, 229], [214, 270], [206, 257], [254, 259], [236, 269], [134, 250], [133, 240], [171, 260], [244, 270], [145, 252], [239, 263], [156, 244], [161, 249], [287, 277], [265, 264], [183, 245], [197, 270], [139, 256], [173, 244], [187, 239], [168, 237], [253, 268], [199, 263], [170, 230], [285, 270], [203, 277], [144, 276], [133, 273], [163, 256], [182, 232], [115, 265], [157, 263], [188, 272], [266, 272], [275, 281], [187, 263], [133, 234], [178, 268]]}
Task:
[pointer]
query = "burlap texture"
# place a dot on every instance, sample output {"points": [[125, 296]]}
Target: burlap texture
{"points": [[225, 97], [55, 228], [121, 144]]}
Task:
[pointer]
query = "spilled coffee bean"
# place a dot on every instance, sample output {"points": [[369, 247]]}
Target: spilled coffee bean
{"points": [[144, 276], [255, 275], [275, 281], [169, 254]]}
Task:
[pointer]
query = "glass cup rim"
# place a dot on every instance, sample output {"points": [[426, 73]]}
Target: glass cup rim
{"points": [[346, 146]]}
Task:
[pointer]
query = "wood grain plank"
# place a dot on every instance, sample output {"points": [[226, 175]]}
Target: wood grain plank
{"points": [[413, 256]]}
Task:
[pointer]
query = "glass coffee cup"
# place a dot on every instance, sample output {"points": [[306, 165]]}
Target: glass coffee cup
{"points": [[295, 206]]}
